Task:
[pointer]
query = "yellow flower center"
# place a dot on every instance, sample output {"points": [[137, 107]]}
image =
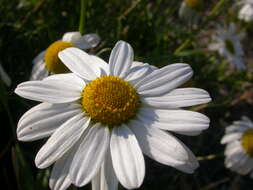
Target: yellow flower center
{"points": [[194, 4], [247, 142], [110, 100], [230, 47], [52, 61]]}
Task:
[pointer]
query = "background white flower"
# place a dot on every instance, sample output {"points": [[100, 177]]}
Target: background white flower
{"points": [[4, 76], [239, 146], [246, 11], [102, 118], [190, 10], [228, 44], [48, 62]]}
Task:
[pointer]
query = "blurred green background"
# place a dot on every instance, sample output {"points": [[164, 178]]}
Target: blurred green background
{"points": [[156, 32]]}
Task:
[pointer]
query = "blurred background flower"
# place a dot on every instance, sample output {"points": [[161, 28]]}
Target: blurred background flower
{"points": [[239, 146], [228, 43], [47, 62], [246, 11]]}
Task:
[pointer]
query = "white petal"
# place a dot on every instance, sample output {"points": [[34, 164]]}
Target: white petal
{"points": [[244, 124], [106, 178], [102, 64], [214, 46], [62, 140], [96, 182], [181, 121], [121, 59], [80, 63], [231, 137], [59, 179], [42, 120], [71, 37], [39, 71], [235, 128], [233, 148], [66, 78], [90, 155], [181, 97], [4, 76], [164, 148], [39, 57], [138, 71], [247, 120], [87, 41], [245, 165], [51, 91], [163, 80], [233, 161], [127, 158]]}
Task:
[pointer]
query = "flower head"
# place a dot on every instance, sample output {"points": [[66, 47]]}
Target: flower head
{"points": [[228, 44], [246, 11], [239, 146], [102, 118], [48, 62]]}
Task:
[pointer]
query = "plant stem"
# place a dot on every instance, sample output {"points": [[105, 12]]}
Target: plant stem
{"points": [[82, 15], [209, 157]]}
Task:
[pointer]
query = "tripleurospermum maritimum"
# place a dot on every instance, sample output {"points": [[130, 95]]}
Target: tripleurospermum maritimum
{"points": [[102, 118], [246, 11], [228, 43], [48, 62], [239, 146]]}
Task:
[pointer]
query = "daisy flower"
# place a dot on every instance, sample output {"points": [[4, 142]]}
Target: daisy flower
{"points": [[239, 146], [47, 62], [246, 11], [102, 118], [190, 10], [4, 76], [228, 44]]}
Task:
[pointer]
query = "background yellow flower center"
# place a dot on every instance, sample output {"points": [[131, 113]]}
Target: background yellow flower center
{"points": [[247, 142], [194, 4], [52, 61], [110, 100]]}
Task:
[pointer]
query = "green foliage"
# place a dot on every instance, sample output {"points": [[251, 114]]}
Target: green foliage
{"points": [[158, 37]]}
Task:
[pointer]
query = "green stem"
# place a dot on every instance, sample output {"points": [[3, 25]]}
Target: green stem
{"points": [[84, 4], [209, 157], [217, 7], [214, 12]]}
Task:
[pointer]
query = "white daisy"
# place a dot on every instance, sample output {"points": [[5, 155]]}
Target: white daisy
{"points": [[102, 118], [246, 11], [47, 61], [228, 44], [239, 146], [190, 10], [4, 76]]}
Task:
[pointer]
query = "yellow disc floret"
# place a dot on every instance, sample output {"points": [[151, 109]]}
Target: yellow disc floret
{"points": [[110, 100], [194, 4], [52, 61], [247, 142]]}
